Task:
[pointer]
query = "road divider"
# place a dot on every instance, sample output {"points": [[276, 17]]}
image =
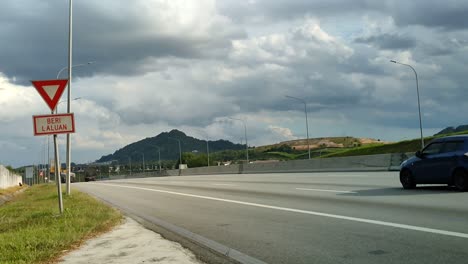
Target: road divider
{"points": [[380, 162]]}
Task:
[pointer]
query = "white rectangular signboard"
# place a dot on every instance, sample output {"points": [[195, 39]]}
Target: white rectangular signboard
{"points": [[54, 124]]}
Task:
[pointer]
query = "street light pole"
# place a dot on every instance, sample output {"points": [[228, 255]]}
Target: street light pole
{"points": [[306, 119], [143, 154], [245, 134], [70, 34], [159, 157], [130, 164], [207, 152], [207, 146], [180, 150], [419, 104], [74, 66], [68, 107]]}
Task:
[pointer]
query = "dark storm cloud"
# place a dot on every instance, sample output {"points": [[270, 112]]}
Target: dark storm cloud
{"points": [[291, 9], [389, 41], [450, 15], [34, 43]]}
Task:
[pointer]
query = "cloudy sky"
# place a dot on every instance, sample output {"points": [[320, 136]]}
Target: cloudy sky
{"points": [[165, 64]]}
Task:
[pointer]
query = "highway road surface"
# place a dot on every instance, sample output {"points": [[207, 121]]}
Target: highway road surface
{"points": [[358, 217]]}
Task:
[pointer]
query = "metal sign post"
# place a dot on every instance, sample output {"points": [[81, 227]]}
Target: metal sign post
{"points": [[58, 179], [51, 91]]}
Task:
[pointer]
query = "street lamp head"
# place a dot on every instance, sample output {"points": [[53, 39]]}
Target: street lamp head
{"points": [[394, 61]]}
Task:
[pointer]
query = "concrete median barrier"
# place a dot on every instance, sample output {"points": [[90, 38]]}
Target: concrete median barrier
{"points": [[356, 163], [380, 162]]}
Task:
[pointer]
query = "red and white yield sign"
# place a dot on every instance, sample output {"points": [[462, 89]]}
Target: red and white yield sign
{"points": [[53, 124], [51, 90]]}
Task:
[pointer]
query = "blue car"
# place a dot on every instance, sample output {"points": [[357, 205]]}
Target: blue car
{"points": [[443, 161]]}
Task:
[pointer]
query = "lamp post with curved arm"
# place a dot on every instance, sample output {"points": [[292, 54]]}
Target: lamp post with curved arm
{"points": [[417, 92], [306, 119], [74, 66], [130, 163], [70, 66], [159, 157], [245, 135], [143, 154], [180, 150], [207, 146]]}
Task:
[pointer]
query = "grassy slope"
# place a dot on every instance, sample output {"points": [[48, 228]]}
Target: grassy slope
{"points": [[32, 232], [398, 147], [262, 152]]}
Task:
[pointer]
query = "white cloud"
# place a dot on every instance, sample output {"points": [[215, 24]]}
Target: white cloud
{"points": [[187, 65]]}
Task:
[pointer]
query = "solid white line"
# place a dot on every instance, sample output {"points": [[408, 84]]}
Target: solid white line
{"points": [[355, 219], [223, 184], [322, 190]]}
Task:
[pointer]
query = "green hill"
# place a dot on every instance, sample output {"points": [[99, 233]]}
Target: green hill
{"points": [[169, 147], [449, 130]]}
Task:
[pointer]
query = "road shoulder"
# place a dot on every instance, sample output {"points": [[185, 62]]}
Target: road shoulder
{"points": [[130, 243]]}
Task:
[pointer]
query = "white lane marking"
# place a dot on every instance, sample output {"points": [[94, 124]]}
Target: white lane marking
{"points": [[223, 184], [349, 218], [322, 190]]}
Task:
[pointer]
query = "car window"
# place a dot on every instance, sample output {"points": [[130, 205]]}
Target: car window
{"points": [[452, 146], [433, 148]]}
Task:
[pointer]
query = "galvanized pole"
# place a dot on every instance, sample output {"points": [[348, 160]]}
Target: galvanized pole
{"points": [[245, 135], [246, 141], [307, 128], [48, 158], [306, 119], [180, 154], [57, 175], [130, 161], [208, 152], [159, 157], [70, 49], [180, 150], [419, 104], [207, 146]]}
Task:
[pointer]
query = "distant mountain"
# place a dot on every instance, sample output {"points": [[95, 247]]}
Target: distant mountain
{"points": [[448, 130], [169, 147]]}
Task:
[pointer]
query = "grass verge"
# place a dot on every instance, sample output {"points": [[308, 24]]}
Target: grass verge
{"points": [[32, 231]]}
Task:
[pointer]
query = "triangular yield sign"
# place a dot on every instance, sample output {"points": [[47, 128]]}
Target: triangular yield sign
{"points": [[51, 91]]}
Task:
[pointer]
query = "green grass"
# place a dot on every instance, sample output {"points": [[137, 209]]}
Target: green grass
{"points": [[263, 153], [397, 147], [32, 231], [283, 155]]}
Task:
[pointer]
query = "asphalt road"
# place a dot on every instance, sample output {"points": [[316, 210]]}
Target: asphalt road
{"points": [[359, 217]]}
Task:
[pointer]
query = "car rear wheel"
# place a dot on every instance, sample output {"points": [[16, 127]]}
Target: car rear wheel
{"points": [[460, 180], [407, 180]]}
